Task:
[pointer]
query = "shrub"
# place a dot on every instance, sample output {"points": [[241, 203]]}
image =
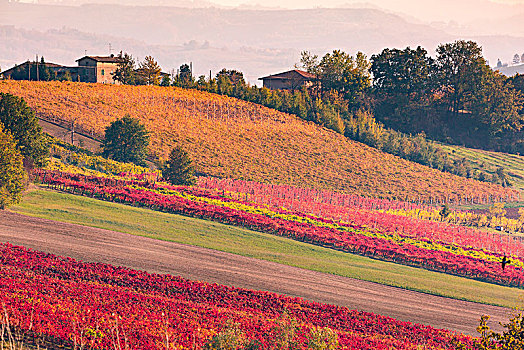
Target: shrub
{"points": [[12, 175], [178, 169], [21, 122]]}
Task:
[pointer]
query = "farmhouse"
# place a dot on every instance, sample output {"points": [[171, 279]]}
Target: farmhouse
{"points": [[97, 69], [290, 80], [91, 69]]}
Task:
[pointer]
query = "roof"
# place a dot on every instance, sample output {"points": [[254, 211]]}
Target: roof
{"points": [[286, 75], [106, 59], [47, 64]]}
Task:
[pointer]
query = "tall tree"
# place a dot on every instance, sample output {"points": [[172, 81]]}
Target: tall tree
{"points": [[21, 122], [185, 76], [150, 71], [125, 73], [497, 105], [462, 72], [126, 140], [12, 175], [405, 72], [345, 74]]}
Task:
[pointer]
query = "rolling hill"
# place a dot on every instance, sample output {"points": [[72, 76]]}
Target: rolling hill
{"points": [[230, 138]]}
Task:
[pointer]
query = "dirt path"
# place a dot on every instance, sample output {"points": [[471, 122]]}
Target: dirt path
{"points": [[91, 244]]}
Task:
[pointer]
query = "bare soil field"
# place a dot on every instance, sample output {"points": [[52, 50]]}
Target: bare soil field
{"points": [[98, 245]]}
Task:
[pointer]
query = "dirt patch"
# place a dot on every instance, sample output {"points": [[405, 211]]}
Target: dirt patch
{"points": [[195, 263]]}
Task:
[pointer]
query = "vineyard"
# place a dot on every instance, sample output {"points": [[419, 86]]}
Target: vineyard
{"points": [[460, 251], [84, 305], [229, 138]]}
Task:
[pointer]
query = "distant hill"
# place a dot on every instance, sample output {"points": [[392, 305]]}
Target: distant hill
{"points": [[511, 70], [256, 41], [230, 138]]}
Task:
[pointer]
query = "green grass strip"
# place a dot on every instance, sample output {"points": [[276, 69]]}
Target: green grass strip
{"points": [[176, 228]]}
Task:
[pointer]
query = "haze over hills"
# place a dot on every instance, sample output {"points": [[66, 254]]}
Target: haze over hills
{"points": [[255, 41]]}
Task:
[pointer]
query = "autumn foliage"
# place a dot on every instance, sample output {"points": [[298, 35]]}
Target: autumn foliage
{"points": [[468, 253], [93, 305]]}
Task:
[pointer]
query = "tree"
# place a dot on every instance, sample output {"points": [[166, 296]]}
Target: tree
{"points": [[235, 77], [347, 75], [516, 59], [308, 62], [184, 77], [13, 178], [405, 72], [149, 71], [462, 72], [126, 140], [444, 212], [125, 73], [21, 122], [497, 105], [178, 169], [497, 210]]}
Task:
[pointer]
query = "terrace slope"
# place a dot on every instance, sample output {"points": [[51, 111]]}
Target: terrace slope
{"points": [[227, 137]]}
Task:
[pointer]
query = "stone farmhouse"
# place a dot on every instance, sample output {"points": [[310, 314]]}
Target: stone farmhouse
{"points": [[290, 80], [97, 69], [90, 69]]}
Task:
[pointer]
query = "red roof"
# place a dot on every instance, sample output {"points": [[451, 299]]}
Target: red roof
{"points": [[107, 59], [286, 75]]}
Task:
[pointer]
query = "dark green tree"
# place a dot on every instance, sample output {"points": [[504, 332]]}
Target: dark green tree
{"points": [[184, 77], [405, 72], [13, 178], [126, 140], [235, 77], [462, 72], [166, 80], [125, 73], [21, 122], [178, 169]]}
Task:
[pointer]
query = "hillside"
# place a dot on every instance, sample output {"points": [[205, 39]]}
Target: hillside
{"points": [[488, 162], [230, 138]]}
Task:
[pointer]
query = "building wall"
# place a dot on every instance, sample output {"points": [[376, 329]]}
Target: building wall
{"points": [[275, 84], [92, 71], [105, 72], [285, 84]]}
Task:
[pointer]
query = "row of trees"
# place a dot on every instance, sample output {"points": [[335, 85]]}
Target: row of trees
{"points": [[454, 97]]}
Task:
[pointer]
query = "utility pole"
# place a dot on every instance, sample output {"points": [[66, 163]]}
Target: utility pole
{"points": [[210, 75], [37, 77]]}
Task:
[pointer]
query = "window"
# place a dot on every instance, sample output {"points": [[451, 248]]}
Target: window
{"points": [[102, 71]]}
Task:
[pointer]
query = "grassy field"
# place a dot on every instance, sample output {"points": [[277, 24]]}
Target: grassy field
{"points": [[489, 162], [90, 212]]}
